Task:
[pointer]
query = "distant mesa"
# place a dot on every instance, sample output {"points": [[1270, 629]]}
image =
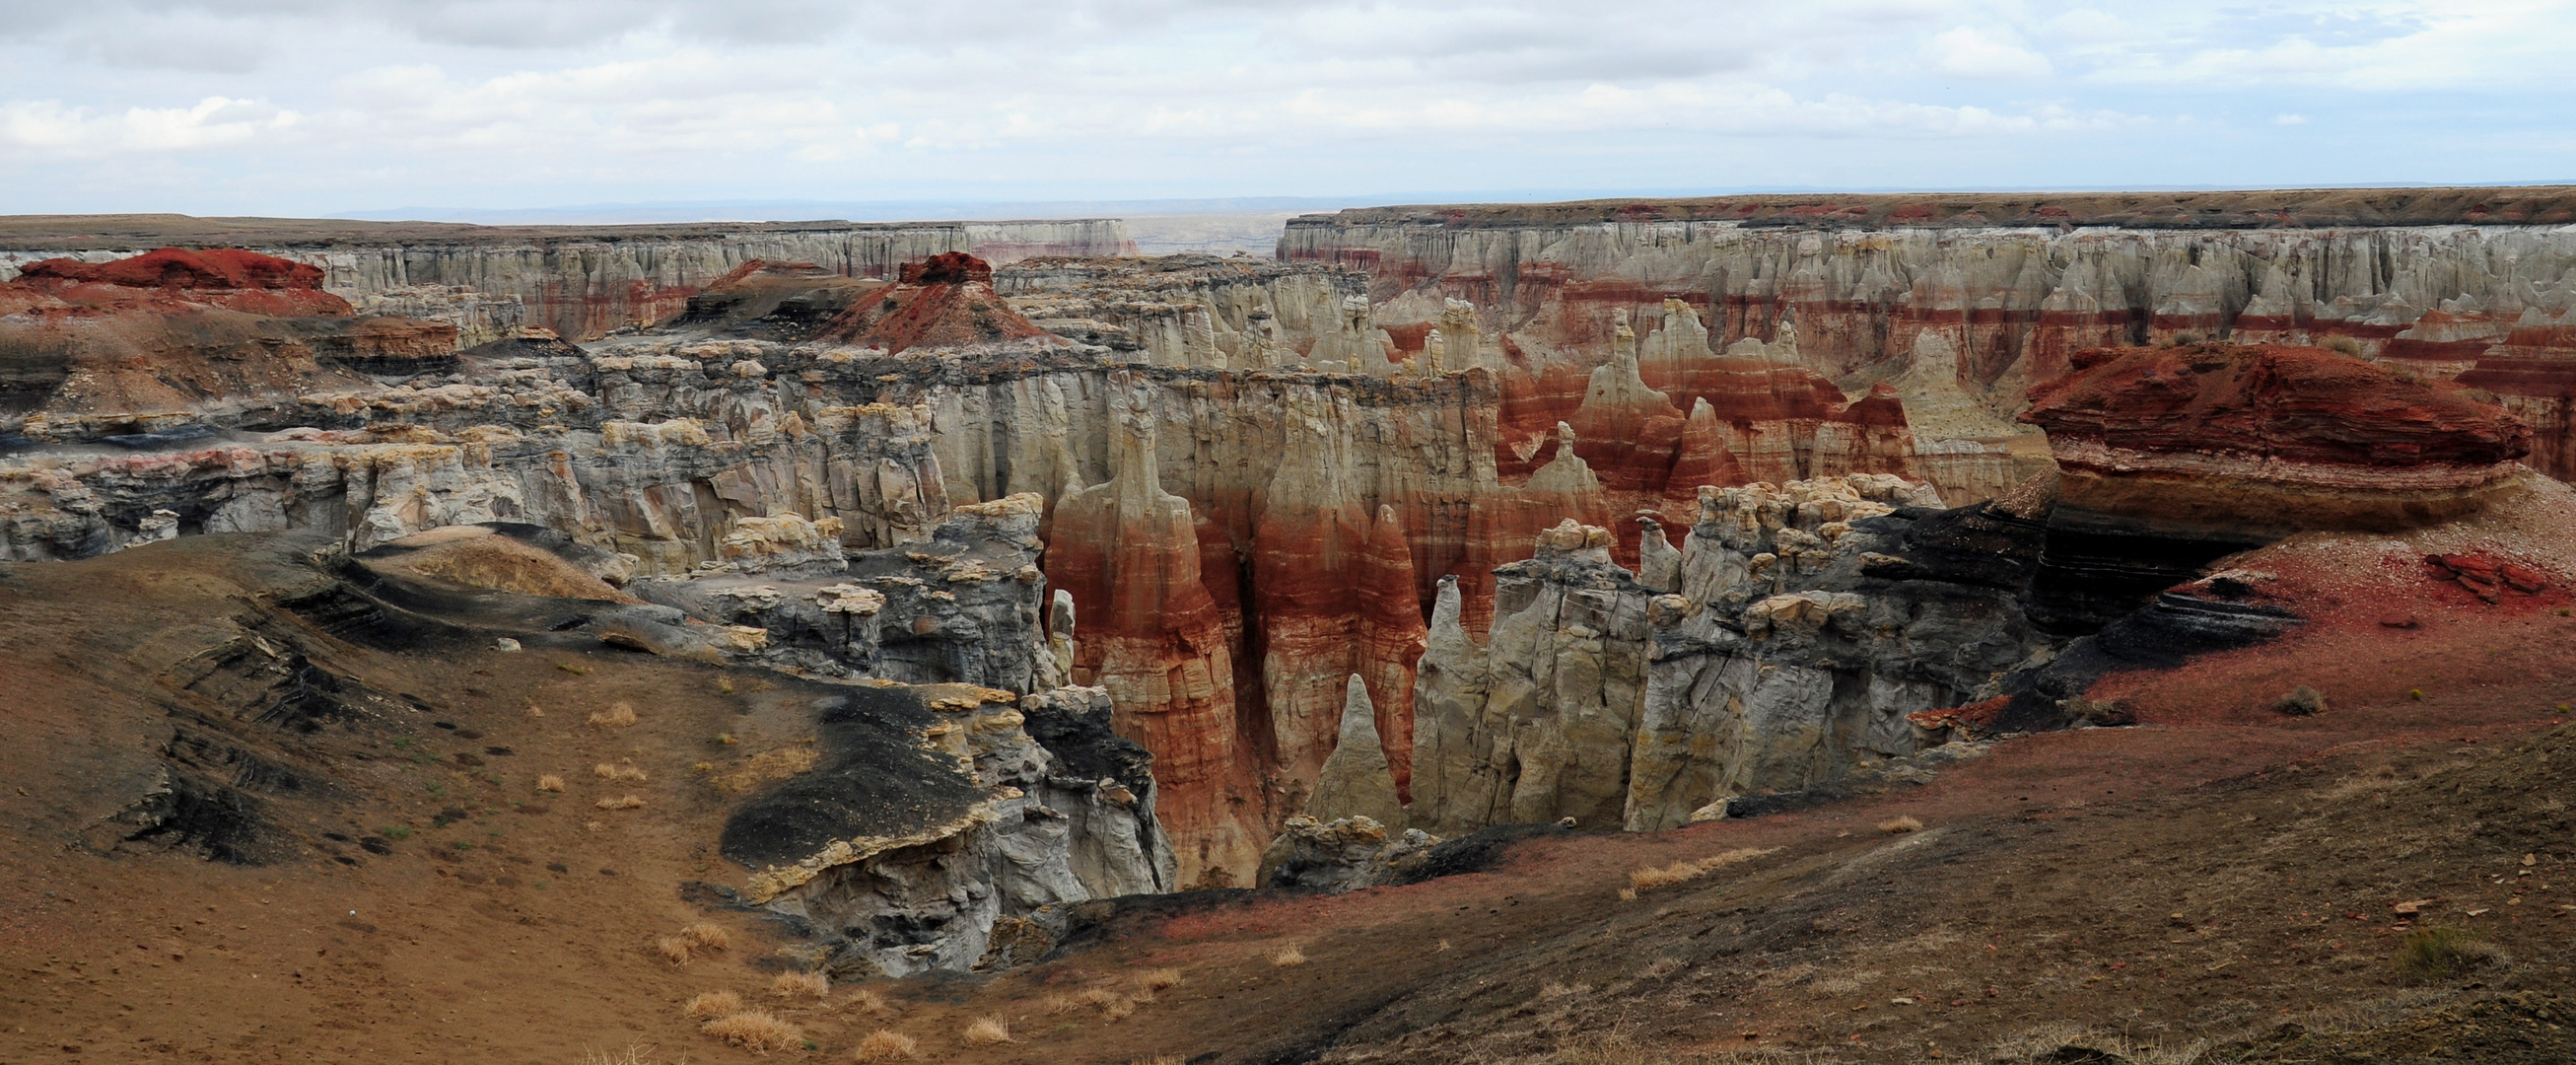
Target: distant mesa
{"points": [[945, 302]]}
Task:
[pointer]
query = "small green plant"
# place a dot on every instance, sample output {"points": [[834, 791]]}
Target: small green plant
{"points": [[437, 788], [402, 741], [394, 832], [725, 685], [726, 738], [2416, 694], [2440, 953], [463, 846], [541, 885], [578, 671]]}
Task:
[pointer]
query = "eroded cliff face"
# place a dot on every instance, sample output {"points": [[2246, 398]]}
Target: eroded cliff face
{"points": [[1989, 296], [580, 282]]}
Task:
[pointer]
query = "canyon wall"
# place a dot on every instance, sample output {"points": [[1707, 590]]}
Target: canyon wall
{"points": [[1962, 303], [580, 281]]}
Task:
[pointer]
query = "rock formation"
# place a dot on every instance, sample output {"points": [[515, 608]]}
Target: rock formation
{"points": [[1356, 780]]}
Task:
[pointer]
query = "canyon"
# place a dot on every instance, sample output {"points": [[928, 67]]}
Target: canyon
{"points": [[1086, 576]]}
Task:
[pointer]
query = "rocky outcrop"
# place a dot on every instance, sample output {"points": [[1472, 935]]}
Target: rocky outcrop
{"points": [[1052, 809], [1345, 854]]}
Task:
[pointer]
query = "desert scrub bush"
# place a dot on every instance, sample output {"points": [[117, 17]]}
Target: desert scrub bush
{"points": [[1900, 825], [605, 771], [2343, 346], [987, 1031], [622, 802], [755, 1030], [1158, 979], [2302, 701], [675, 949], [885, 1045], [1289, 955], [789, 985], [550, 782], [709, 1005], [1687, 869], [619, 714], [864, 999], [709, 936], [2440, 953]]}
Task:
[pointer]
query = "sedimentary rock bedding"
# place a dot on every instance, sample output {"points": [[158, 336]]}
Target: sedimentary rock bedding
{"points": [[1273, 503]]}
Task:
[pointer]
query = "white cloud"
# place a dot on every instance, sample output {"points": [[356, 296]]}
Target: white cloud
{"points": [[1970, 53], [2289, 120], [583, 101]]}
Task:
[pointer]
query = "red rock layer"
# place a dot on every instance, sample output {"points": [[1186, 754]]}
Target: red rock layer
{"points": [[1392, 637], [228, 278], [2282, 405], [1503, 526], [1130, 555], [947, 302]]}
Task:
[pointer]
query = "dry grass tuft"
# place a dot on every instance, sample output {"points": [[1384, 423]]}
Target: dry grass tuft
{"points": [[675, 949], [618, 714], [1101, 997], [1059, 1002], [2440, 953], [789, 985], [1292, 954], [622, 802], [605, 771], [764, 767], [867, 1000], [755, 1030], [987, 1031], [1119, 1010], [1160, 1059], [886, 1045], [1627, 894], [712, 1004], [710, 936], [1900, 825], [1158, 979], [1680, 871], [550, 782], [635, 1054]]}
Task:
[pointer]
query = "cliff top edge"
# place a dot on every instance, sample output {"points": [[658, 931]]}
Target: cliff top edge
{"points": [[109, 232], [2247, 209]]}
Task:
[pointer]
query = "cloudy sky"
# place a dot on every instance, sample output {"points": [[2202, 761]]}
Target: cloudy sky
{"points": [[304, 107]]}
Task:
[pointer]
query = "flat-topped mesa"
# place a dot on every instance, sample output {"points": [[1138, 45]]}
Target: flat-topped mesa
{"points": [[216, 277], [946, 302], [2263, 439]]}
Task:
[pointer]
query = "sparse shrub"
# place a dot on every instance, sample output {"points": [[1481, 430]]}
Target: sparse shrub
{"points": [[709, 936], [1119, 1010], [2442, 953], [1158, 979], [550, 782], [987, 1031], [1895, 826], [394, 832], [1103, 998], [2303, 701], [1059, 1002], [1680, 871], [789, 985], [756, 1030], [622, 802], [867, 1000], [2344, 346], [2416, 694], [618, 714], [1626, 894], [712, 1004], [1288, 955], [633, 1055], [885, 1045], [675, 949], [725, 685]]}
